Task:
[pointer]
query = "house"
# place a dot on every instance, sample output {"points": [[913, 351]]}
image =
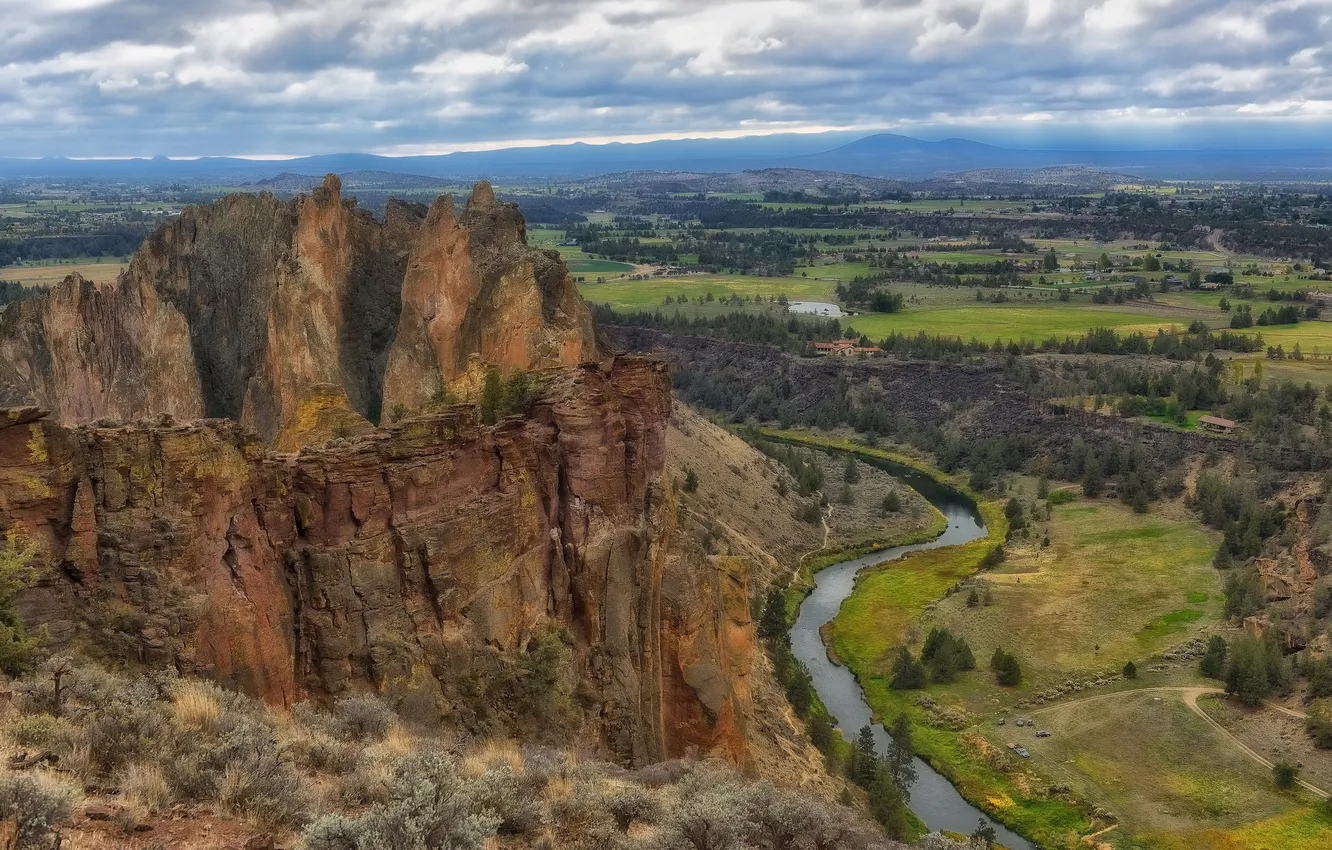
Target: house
{"points": [[1217, 424], [840, 348], [844, 348]]}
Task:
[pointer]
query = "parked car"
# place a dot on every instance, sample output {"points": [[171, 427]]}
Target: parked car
{"points": [[1042, 734], [1022, 751]]}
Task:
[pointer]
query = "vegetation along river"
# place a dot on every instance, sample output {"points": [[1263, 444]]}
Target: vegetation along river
{"points": [[933, 798]]}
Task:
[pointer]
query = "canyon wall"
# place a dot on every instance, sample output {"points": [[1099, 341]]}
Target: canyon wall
{"points": [[375, 563], [287, 546], [268, 312]]}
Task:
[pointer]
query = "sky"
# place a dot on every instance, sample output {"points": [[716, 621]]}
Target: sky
{"points": [[112, 78]]}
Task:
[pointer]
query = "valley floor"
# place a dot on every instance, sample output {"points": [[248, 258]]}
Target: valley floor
{"points": [[1085, 588]]}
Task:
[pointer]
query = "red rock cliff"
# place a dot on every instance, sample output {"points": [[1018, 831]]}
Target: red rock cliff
{"points": [[371, 563], [267, 312], [290, 548]]}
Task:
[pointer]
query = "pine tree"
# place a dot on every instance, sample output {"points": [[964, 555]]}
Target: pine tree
{"points": [[772, 625], [864, 760], [1213, 662], [898, 762]]}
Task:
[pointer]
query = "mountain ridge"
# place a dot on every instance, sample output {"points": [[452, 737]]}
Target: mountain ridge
{"points": [[871, 155]]}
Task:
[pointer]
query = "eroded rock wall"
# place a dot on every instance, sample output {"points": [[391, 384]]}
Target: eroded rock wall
{"points": [[364, 563], [266, 311], [88, 351], [474, 287]]}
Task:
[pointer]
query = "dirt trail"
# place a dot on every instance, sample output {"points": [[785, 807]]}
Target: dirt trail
{"points": [[1190, 697]]}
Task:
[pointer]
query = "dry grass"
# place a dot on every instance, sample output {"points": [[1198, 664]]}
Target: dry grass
{"points": [[53, 274], [195, 705], [145, 787], [493, 754]]}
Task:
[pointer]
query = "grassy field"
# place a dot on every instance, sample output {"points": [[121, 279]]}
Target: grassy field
{"points": [[597, 267], [49, 275], [1013, 321], [1110, 586], [1170, 776], [1104, 591], [650, 294]]}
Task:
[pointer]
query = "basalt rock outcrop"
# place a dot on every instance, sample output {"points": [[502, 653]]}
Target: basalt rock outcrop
{"points": [[252, 308], [88, 351], [195, 450], [371, 563]]}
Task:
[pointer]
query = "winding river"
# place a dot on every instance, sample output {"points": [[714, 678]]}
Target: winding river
{"points": [[933, 798]]}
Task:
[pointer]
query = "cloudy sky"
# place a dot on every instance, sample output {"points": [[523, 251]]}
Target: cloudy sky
{"points": [[200, 77]]}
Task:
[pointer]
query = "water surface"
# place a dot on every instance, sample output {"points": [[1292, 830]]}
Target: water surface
{"points": [[933, 798]]}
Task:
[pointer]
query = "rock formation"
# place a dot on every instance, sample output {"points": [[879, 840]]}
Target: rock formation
{"points": [[370, 563], [474, 287], [88, 351], [290, 548], [261, 310]]}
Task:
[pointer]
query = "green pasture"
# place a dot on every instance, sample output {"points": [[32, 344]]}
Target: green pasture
{"points": [[650, 294]]}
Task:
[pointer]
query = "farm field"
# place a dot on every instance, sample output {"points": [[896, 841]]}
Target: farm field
{"points": [[649, 294], [49, 275], [1013, 321]]}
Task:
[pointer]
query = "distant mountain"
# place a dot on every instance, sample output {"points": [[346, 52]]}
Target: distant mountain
{"points": [[890, 155], [883, 155], [753, 180], [572, 160]]}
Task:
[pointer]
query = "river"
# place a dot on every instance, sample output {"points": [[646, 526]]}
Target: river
{"points": [[933, 798]]}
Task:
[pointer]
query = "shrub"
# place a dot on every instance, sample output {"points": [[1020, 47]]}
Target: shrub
{"points": [[127, 727], [1319, 727], [316, 750], [364, 717], [18, 570], [500, 791], [713, 812], [946, 654], [691, 481], [1130, 670], [38, 806], [196, 705], [1213, 663], [145, 785], [631, 803], [1284, 775], [993, 558], [1319, 673], [430, 807], [892, 503], [33, 730], [1256, 669], [1007, 670], [908, 673]]}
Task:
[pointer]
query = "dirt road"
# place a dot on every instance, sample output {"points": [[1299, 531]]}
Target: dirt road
{"points": [[1190, 697]]}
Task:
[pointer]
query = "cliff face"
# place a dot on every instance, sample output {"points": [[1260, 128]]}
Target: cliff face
{"points": [[290, 548], [90, 350], [474, 287], [263, 311], [371, 563]]}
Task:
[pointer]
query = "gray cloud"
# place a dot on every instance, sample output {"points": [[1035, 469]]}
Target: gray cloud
{"points": [[198, 77]]}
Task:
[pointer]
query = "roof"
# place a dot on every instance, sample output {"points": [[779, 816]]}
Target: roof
{"points": [[1217, 421]]}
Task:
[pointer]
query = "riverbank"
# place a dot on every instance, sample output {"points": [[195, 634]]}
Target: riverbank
{"points": [[888, 600], [937, 802]]}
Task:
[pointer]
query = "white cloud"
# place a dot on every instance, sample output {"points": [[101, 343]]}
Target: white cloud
{"points": [[226, 76]]}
